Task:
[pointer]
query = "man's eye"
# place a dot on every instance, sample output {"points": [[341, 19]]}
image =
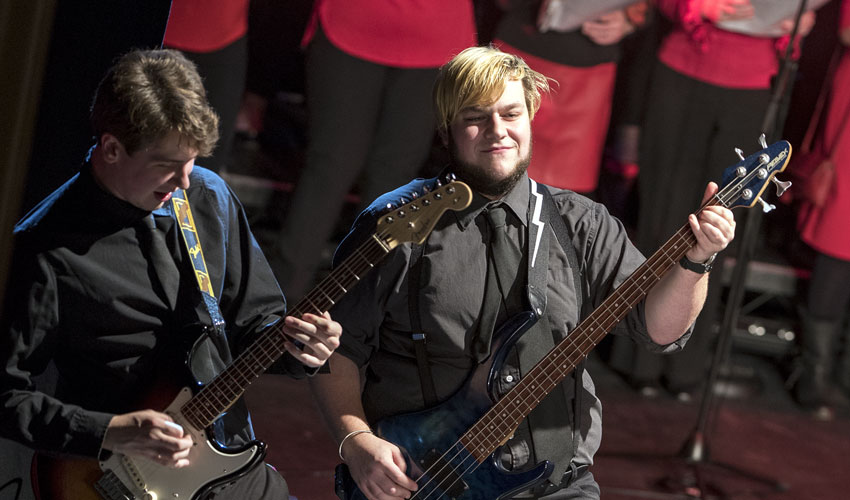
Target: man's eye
{"points": [[474, 118]]}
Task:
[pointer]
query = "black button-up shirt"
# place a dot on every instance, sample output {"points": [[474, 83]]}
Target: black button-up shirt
{"points": [[82, 298]]}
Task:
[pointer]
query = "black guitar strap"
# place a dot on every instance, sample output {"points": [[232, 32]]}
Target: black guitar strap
{"points": [[562, 234], [426, 380]]}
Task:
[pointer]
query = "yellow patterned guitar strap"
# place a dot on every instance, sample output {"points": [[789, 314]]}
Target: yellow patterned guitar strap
{"points": [[190, 238], [183, 212]]}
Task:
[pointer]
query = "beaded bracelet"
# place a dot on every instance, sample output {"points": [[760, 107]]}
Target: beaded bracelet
{"points": [[350, 434]]}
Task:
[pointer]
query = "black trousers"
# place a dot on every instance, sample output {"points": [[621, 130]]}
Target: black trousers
{"points": [[224, 73], [365, 119], [687, 140], [262, 483]]}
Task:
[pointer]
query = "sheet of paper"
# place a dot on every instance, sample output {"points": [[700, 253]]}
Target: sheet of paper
{"points": [[769, 13], [567, 15]]}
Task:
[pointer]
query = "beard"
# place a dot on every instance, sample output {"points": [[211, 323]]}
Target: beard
{"points": [[483, 180]]}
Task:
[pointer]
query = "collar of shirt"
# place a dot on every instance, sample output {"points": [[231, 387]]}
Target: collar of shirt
{"points": [[516, 200], [113, 211]]}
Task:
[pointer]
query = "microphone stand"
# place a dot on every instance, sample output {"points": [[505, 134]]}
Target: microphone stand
{"points": [[695, 450]]}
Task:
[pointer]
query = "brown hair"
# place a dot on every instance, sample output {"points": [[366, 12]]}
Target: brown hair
{"points": [[147, 94], [477, 76]]}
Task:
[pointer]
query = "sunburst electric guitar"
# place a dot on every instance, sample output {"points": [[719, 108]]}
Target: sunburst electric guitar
{"points": [[197, 407], [450, 449]]}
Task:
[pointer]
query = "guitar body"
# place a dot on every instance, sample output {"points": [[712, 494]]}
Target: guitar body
{"points": [[122, 477], [433, 433]]}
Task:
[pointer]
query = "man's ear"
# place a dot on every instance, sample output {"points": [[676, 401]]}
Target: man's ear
{"points": [[111, 148], [444, 135]]}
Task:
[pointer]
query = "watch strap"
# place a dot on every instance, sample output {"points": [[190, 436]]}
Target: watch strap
{"points": [[697, 267]]}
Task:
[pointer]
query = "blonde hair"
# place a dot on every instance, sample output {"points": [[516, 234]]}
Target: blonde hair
{"points": [[477, 76]]}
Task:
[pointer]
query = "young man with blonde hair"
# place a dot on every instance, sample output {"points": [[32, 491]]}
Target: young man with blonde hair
{"points": [[485, 102]]}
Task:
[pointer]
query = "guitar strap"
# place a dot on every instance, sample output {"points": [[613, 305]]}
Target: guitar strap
{"points": [[236, 422], [183, 213], [426, 380], [563, 237], [551, 438], [540, 204]]}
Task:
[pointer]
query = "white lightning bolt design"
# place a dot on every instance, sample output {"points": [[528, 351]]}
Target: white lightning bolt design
{"points": [[535, 219]]}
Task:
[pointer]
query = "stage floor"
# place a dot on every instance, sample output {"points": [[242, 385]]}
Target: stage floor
{"points": [[760, 434]]}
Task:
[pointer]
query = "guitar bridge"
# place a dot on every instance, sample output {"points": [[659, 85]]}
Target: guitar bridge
{"points": [[109, 487], [442, 474]]}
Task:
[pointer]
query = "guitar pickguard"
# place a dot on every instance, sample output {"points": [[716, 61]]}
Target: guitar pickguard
{"points": [[211, 465]]}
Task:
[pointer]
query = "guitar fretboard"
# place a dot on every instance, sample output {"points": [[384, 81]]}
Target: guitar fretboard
{"points": [[217, 396], [499, 423]]}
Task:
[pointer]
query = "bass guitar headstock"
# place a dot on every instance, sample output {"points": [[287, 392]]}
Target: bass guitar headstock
{"points": [[413, 221], [745, 182]]}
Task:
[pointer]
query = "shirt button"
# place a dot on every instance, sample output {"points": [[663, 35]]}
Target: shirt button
{"points": [[509, 378]]}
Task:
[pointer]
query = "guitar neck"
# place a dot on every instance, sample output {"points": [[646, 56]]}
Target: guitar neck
{"points": [[217, 396], [496, 426], [411, 222]]}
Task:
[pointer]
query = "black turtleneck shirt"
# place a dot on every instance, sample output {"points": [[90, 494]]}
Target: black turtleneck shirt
{"points": [[82, 299]]}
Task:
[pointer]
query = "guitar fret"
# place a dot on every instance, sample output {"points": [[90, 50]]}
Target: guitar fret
{"points": [[213, 399], [338, 284], [506, 414], [231, 383]]}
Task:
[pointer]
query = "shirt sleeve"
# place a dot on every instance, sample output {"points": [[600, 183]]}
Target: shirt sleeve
{"points": [[611, 258], [362, 314], [28, 415], [249, 296]]}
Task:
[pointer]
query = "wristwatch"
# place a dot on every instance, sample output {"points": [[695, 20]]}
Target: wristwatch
{"points": [[697, 267]]}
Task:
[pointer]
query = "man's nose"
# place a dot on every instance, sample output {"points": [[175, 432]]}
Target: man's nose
{"points": [[497, 127], [182, 176]]}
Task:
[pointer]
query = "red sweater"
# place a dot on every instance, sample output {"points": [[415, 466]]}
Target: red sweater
{"points": [[398, 33], [700, 50], [205, 25]]}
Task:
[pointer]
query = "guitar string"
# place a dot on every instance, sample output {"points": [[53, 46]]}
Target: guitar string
{"points": [[269, 343], [522, 397], [197, 411], [490, 416], [196, 407], [594, 331], [378, 251]]}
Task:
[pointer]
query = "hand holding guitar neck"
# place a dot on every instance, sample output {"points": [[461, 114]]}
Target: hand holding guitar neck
{"points": [[312, 338], [713, 226]]}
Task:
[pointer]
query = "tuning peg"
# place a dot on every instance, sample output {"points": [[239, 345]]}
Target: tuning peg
{"points": [[762, 141], [765, 206], [781, 186], [403, 201], [414, 195], [740, 153], [391, 206], [437, 183]]}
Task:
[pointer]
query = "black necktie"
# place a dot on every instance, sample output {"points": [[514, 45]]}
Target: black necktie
{"points": [[504, 296], [162, 261], [505, 279]]}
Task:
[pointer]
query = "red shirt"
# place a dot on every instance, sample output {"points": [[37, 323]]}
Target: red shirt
{"points": [[398, 33], [205, 25], [698, 49]]}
